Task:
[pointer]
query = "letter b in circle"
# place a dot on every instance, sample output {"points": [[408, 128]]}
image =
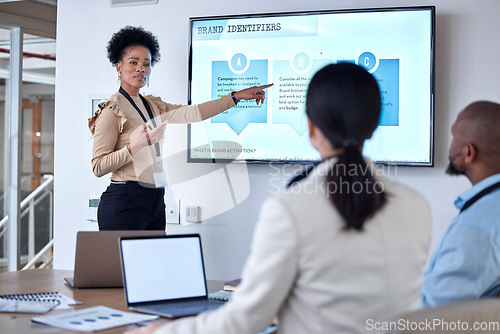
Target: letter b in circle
{"points": [[301, 61]]}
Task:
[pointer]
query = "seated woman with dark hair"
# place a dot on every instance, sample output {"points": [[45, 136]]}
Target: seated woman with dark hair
{"points": [[343, 248]]}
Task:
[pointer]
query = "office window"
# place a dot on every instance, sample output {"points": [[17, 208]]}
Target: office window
{"points": [[4, 147], [37, 141]]}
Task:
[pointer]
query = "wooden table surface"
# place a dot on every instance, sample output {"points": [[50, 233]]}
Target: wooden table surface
{"points": [[49, 280]]}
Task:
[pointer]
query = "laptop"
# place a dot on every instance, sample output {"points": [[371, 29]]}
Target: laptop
{"points": [[165, 275], [97, 258]]}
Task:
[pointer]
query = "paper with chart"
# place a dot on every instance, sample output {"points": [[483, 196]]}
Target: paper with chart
{"points": [[92, 319]]}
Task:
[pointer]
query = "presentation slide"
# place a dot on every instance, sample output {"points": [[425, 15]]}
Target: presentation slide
{"points": [[286, 50]]}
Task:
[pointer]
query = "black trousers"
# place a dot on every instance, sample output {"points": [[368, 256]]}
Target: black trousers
{"points": [[131, 206]]}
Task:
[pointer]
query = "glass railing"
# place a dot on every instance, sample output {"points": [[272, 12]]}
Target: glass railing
{"points": [[36, 228]]}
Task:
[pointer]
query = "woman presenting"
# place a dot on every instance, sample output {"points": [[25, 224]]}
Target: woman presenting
{"points": [[128, 129]]}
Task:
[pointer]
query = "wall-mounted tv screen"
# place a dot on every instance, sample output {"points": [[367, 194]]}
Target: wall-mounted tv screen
{"points": [[230, 53]]}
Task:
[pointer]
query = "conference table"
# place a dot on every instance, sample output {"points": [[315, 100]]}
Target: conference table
{"points": [[50, 280]]}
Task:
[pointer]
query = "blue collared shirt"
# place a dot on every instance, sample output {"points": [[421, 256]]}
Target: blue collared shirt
{"points": [[466, 265]]}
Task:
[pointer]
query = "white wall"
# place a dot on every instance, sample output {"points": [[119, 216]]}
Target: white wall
{"points": [[466, 45]]}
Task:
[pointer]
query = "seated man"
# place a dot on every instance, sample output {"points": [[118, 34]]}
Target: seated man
{"points": [[466, 265]]}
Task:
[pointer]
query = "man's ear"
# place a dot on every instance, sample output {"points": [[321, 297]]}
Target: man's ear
{"points": [[470, 153]]}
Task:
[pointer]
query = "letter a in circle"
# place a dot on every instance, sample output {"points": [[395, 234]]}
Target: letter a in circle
{"points": [[239, 62]]}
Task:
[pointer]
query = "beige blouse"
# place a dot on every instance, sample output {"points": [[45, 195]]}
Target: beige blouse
{"points": [[117, 123]]}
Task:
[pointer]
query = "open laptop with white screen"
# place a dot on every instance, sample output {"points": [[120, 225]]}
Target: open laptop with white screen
{"points": [[165, 275]]}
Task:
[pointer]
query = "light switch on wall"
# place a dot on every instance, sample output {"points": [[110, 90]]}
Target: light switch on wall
{"points": [[192, 214]]}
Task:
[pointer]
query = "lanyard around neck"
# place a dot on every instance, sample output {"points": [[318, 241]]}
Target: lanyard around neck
{"points": [[150, 113], [146, 105], [482, 193]]}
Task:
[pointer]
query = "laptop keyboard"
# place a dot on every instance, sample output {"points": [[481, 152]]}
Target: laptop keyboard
{"points": [[186, 304]]}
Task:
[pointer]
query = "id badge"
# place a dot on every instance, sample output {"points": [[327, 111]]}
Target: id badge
{"points": [[159, 178]]}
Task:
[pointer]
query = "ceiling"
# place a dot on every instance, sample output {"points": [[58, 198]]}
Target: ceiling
{"points": [[37, 18]]}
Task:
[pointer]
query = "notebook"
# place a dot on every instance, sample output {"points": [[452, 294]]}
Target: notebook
{"points": [[29, 303], [97, 258], [39, 300], [165, 275]]}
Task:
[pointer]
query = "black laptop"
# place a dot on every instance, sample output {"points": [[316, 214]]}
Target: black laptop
{"points": [[165, 275]]}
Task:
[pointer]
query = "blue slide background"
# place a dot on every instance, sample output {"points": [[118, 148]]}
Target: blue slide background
{"points": [[245, 112]]}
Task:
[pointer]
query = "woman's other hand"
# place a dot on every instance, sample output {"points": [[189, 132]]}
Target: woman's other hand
{"points": [[156, 134], [147, 138]]}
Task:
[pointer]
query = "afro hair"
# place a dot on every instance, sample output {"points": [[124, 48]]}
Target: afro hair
{"points": [[132, 36]]}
